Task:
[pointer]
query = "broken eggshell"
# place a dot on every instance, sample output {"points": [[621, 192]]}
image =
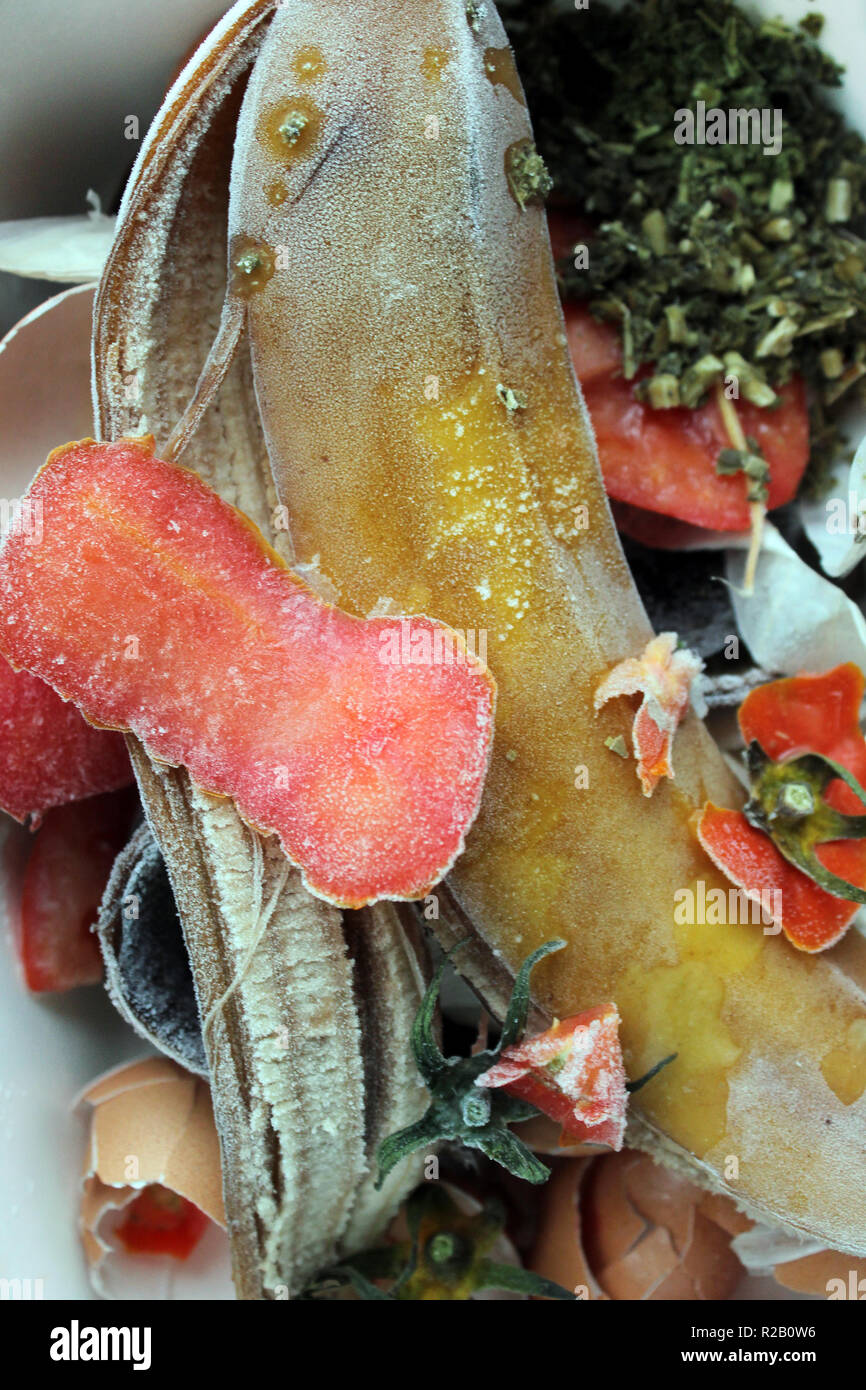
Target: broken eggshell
{"points": [[623, 1227], [802, 1267], [66, 250], [825, 1273], [147, 971], [151, 1123], [44, 384]]}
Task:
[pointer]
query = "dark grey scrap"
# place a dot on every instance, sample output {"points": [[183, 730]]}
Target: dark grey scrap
{"points": [[147, 971], [683, 593]]}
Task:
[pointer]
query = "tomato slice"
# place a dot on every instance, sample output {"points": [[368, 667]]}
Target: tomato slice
{"points": [[664, 460], [64, 880], [567, 229], [160, 1222], [595, 348]]}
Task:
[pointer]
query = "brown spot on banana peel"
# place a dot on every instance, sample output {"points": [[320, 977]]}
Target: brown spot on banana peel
{"points": [[500, 68], [415, 264]]}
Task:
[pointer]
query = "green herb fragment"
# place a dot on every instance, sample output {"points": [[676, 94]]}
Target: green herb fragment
{"points": [[617, 745], [292, 127], [832, 363], [781, 194], [779, 340], [655, 229], [751, 382], [456, 1112], [528, 177], [512, 400], [778, 229], [662, 391], [838, 204], [698, 378], [812, 24], [752, 463], [677, 324]]}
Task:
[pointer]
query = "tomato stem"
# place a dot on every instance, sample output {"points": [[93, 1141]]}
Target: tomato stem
{"points": [[757, 510]]}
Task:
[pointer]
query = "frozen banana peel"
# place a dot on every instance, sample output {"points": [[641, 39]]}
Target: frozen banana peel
{"points": [[306, 1031], [389, 261]]}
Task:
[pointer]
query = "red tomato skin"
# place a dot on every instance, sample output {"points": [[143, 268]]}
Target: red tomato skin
{"points": [[665, 460], [594, 347], [799, 714], [49, 754], [567, 229], [160, 1222], [64, 880]]}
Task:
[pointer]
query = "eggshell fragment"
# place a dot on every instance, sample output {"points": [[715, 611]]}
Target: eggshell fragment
{"points": [[816, 1273], [44, 384], [68, 250], [558, 1252], [151, 1122], [629, 1229]]}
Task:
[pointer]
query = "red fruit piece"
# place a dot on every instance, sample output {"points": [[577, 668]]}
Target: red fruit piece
{"points": [[665, 460], [68, 868], [595, 349], [159, 608], [568, 231], [573, 1073], [161, 1222], [663, 676], [49, 754], [801, 714]]}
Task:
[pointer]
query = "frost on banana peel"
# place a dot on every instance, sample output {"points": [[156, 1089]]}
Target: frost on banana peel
{"points": [[391, 330]]}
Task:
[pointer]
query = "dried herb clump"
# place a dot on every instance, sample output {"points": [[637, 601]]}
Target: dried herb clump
{"points": [[710, 257]]}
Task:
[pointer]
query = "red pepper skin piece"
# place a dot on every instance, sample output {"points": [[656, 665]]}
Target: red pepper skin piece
{"points": [[49, 754], [158, 607], [812, 919], [161, 1222], [665, 460], [663, 676], [800, 714], [68, 868]]}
